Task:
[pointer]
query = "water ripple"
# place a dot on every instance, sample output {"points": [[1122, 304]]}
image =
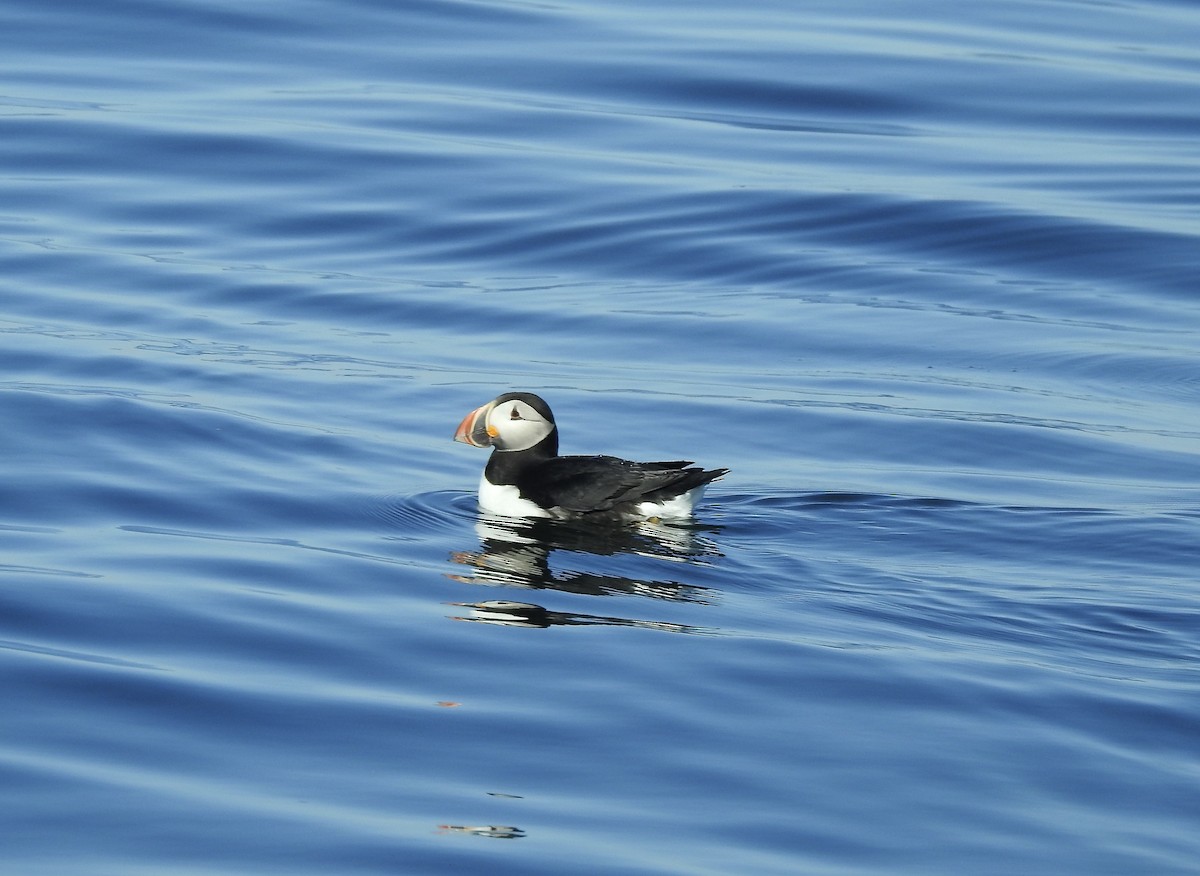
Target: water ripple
{"points": [[923, 277]]}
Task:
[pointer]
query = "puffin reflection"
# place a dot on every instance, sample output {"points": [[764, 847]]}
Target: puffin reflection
{"points": [[505, 612], [494, 831], [519, 553]]}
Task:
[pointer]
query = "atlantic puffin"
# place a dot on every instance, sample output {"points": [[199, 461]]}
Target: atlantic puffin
{"points": [[525, 476]]}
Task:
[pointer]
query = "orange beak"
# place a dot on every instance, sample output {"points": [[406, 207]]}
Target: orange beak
{"points": [[474, 430]]}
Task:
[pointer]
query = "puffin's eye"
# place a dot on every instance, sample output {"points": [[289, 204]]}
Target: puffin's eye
{"points": [[516, 415]]}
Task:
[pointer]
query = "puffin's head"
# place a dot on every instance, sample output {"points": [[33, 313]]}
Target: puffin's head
{"points": [[513, 421]]}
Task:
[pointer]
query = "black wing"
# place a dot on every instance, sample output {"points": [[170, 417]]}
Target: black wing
{"points": [[600, 483]]}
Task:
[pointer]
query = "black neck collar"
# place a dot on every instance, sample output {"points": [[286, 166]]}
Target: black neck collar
{"points": [[505, 466]]}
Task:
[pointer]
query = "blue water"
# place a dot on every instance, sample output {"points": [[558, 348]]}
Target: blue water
{"points": [[925, 277]]}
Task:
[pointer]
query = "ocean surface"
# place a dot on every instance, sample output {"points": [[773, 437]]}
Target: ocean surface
{"points": [[924, 276]]}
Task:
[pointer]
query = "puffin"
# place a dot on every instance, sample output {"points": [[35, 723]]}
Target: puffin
{"points": [[525, 476]]}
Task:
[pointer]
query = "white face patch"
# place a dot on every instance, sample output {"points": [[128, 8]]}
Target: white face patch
{"points": [[515, 425]]}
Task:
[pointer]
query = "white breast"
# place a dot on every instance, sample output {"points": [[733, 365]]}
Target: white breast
{"points": [[507, 500]]}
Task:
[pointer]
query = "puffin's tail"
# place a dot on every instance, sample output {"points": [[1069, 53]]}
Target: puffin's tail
{"points": [[690, 479]]}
